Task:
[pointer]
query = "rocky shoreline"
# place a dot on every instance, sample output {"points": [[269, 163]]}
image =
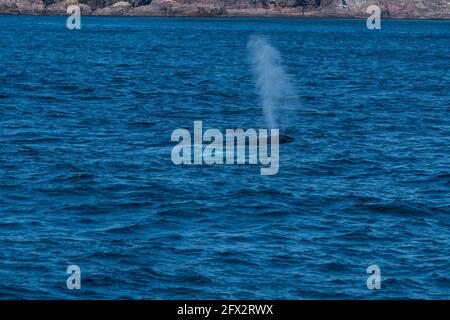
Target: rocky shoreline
{"points": [[396, 9]]}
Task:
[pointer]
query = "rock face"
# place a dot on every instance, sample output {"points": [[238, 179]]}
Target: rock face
{"points": [[420, 9]]}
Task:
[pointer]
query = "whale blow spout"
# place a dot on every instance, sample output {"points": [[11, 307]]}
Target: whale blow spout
{"points": [[273, 83]]}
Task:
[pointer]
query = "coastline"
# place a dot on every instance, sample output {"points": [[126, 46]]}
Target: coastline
{"points": [[231, 17], [330, 9]]}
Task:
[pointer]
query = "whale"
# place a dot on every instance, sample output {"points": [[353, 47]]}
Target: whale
{"points": [[282, 139]]}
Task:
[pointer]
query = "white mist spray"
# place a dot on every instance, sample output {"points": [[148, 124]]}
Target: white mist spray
{"points": [[272, 82]]}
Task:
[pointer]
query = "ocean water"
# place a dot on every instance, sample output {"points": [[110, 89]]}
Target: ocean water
{"points": [[86, 176]]}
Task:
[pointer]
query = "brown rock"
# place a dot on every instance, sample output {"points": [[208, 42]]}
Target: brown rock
{"points": [[426, 9], [60, 8]]}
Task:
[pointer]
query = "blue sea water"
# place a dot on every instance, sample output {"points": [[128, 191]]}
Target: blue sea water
{"points": [[86, 176]]}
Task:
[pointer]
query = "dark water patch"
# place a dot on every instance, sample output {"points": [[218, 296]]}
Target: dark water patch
{"points": [[403, 209]]}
